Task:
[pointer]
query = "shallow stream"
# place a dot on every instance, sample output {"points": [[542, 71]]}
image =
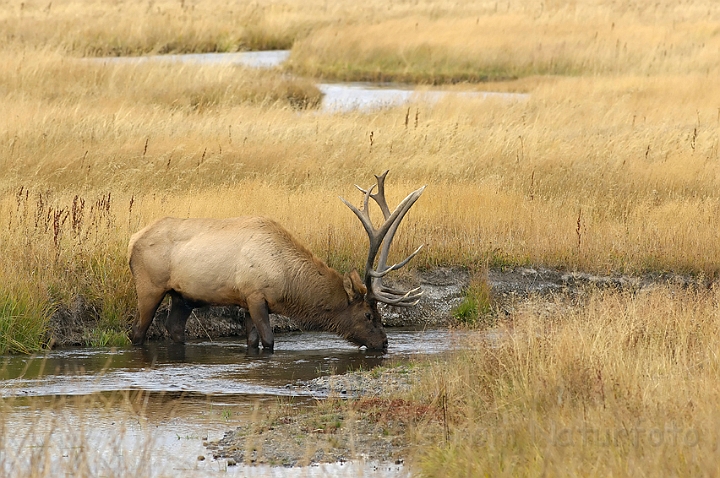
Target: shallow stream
{"points": [[337, 97], [147, 410]]}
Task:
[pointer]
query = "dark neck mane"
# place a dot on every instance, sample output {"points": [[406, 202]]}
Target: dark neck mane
{"points": [[314, 295]]}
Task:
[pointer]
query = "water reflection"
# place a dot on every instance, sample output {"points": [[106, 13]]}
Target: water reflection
{"points": [[213, 368], [109, 407], [118, 434]]}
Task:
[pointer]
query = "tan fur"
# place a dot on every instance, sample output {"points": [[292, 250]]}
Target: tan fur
{"points": [[252, 262]]}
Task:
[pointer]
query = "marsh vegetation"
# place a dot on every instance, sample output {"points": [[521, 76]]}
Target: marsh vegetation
{"points": [[610, 165]]}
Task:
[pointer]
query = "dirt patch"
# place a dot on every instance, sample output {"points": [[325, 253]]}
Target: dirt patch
{"points": [[373, 425]]}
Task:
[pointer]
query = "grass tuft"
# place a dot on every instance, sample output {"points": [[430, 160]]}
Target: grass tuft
{"points": [[477, 305], [23, 321]]}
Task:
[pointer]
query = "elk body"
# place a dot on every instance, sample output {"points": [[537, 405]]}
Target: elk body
{"points": [[254, 263]]}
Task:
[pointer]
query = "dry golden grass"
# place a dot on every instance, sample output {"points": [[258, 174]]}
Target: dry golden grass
{"points": [[623, 384], [476, 42], [58, 83], [611, 164], [641, 175], [132, 27], [96, 28]]}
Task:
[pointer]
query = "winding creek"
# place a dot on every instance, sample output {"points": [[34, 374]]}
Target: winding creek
{"points": [[337, 97], [148, 410]]}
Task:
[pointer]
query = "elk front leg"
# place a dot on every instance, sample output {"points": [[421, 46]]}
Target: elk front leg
{"points": [[251, 332], [260, 315]]}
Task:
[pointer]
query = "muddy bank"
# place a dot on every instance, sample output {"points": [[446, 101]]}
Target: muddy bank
{"points": [[443, 290], [373, 426]]}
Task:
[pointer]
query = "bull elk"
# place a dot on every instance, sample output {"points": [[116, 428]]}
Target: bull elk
{"points": [[254, 263]]}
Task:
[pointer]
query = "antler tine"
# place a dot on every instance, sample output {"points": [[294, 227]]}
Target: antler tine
{"points": [[378, 274], [397, 297], [374, 236], [379, 197], [385, 294], [363, 215], [383, 236], [410, 298]]}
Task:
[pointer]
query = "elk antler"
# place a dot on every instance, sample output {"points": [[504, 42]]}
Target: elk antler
{"points": [[384, 236]]}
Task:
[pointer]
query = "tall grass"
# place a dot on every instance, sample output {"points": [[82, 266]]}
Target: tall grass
{"points": [[58, 250], [622, 384], [472, 43], [596, 174], [131, 27], [61, 82], [23, 317]]}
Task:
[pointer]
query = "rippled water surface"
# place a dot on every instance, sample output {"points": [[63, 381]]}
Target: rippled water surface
{"points": [[170, 398], [206, 367]]}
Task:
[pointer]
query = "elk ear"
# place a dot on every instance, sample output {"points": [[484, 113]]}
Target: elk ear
{"points": [[354, 286]]}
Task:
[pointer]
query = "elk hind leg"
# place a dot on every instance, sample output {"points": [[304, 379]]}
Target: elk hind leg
{"points": [[148, 302], [180, 310]]}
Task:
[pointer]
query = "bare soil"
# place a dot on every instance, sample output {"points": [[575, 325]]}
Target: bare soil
{"points": [[372, 424]]}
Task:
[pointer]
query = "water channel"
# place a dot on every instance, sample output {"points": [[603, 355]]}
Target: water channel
{"points": [[147, 410], [337, 97]]}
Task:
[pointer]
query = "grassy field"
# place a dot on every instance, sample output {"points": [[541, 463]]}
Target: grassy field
{"points": [[611, 164]]}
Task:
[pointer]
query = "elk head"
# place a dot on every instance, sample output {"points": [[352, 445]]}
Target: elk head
{"points": [[371, 332]]}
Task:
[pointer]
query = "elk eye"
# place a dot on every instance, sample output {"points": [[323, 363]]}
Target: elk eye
{"points": [[368, 315]]}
